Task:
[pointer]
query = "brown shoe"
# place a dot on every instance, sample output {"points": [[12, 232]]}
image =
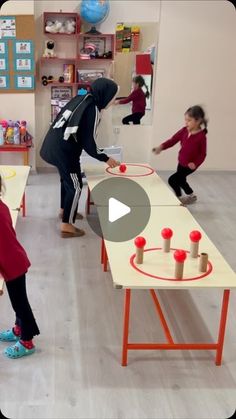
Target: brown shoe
{"points": [[78, 216], [69, 234]]}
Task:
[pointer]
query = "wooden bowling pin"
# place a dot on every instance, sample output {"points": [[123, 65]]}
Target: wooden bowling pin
{"points": [[166, 233], [139, 243], [179, 256], [195, 236], [203, 261]]}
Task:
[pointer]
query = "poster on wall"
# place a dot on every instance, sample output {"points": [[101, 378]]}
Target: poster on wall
{"points": [[4, 82], [3, 64], [23, 47], [24, 64], [7, 27], [3, 48], [24, 82]]}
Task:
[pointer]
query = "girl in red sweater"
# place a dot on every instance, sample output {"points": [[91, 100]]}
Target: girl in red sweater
{"points": [[14, 264], [192, 153], [138, 99]]}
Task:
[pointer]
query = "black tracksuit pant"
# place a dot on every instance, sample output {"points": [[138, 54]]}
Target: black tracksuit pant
{"points": [[178, 180], [20, 304], [71, 187]]}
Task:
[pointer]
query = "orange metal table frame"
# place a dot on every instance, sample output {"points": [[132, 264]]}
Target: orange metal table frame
{"points": [[17, 149], [170, 344]]}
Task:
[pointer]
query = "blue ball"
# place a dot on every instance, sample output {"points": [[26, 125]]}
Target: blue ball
{"points": [[94, 11]]}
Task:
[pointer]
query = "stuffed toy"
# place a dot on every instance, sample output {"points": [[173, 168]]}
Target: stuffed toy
{"points": [[49, 49], [68, 26], [53, 27]]}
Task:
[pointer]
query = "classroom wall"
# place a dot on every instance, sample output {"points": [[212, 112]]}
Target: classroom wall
{"points": [[18, 105], [197, 65]]}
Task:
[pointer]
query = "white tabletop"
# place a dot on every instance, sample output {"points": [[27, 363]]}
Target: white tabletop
{"points": [[15, 178], [156, 189], [14, 215], [162, 264]]}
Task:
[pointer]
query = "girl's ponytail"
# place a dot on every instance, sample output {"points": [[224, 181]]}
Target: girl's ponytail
{"points": [[205, 123], [147, 94]]}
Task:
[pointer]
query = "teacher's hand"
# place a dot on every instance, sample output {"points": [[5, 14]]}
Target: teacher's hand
{"points": [[112, 163]]}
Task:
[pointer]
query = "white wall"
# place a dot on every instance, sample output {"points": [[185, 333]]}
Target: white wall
{"points": [[197, 65], [18, 105]]}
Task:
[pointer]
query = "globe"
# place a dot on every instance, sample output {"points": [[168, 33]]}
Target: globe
{"points": [[94, 11]]}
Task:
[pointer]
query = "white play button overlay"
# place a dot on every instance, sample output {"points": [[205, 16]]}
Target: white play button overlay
{"points": [[117, 210]]}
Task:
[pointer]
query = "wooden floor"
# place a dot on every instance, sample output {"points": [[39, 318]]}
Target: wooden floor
{"points": [[76, 371]]}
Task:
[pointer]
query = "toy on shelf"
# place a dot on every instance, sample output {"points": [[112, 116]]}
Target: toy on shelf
{"points": [[25, 137], [49, 79], [49, 51], [68, 26], [9, 139], [14, 133], [4, 125], [68, 73]]}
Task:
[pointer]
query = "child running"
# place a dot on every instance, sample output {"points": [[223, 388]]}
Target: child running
{"points": [[192, 153]]}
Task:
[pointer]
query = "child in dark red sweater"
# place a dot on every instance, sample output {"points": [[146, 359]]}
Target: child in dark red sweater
{"points": [[192, 153], [14, 264], [138, 99]]}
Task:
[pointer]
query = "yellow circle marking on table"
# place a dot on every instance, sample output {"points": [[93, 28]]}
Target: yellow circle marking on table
{"points": [[8, 173]]}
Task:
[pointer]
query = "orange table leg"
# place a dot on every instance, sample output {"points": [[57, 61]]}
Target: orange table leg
{"points": [[23, 206], [161, 317], [102, 250], [105, 259], [126, 327], [221, 334], [26, 158]]}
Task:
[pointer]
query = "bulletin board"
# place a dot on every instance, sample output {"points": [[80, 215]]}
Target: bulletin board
{"points": [[17, 54]]}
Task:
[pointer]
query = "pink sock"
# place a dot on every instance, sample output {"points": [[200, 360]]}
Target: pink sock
{"points": [[16, 330], [28, 344]]}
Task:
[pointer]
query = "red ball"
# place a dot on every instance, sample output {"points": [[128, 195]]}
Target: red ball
{"points": [[122, 168], [140, 242], [166, 233], [195, 236], [180, 255]]}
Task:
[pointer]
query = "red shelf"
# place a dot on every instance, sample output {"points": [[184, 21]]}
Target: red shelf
{"points": [[54, 59], [61, 84], [61, 16], [90, 60], [72, 35]]}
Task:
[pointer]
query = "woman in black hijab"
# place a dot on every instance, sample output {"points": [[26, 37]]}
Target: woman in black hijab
{"points": [[75, 130]]}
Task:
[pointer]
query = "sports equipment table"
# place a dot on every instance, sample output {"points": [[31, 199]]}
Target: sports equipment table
{"points": [[15, 178], [157, 272], [14, 215], [157, 191]]}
